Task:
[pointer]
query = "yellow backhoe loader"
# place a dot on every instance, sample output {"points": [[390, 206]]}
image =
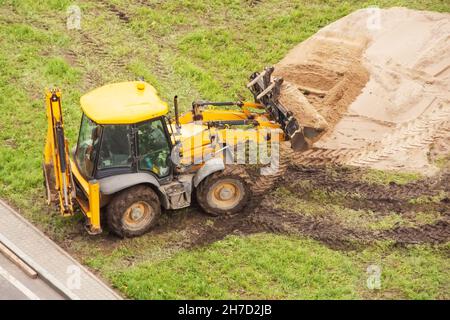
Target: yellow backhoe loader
{"points": [[132, 160]]}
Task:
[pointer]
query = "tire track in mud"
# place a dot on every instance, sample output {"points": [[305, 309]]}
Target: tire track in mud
{"points": [[91, 42], [91, 47], [348, 179], [263, 215], [438, 232], [95, 51], [253, 3], [148, 3], [261, 183], [121, 15], [382, 199], [378, 198], [320, 156], [327, 231], [332, 233]]}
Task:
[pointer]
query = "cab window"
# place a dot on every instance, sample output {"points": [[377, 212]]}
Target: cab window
{"points": [[87, 146], [153, 148], [115, 150]]}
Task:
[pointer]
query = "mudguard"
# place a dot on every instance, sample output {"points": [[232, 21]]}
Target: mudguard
{"points": [[114, 184], [210, 166]]}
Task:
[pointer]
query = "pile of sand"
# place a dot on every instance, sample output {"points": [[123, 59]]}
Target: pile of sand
{"points": [[380, 80]]}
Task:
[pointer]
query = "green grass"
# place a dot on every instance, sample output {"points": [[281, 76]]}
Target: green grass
{"points": [[386, 177], [286, 268], [222, 271], [430, 199], [196, 49]]}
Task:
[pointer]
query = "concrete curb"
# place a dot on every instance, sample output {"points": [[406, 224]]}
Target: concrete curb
{"points": [[47, 276]]}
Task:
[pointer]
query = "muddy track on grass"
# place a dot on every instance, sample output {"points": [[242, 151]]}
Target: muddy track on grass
{"points": [[123, 17], [327, 231], [335, 235], [93, 50], [162, 69], [263, 183], [263, 213], [349, 179], [357, 194]]}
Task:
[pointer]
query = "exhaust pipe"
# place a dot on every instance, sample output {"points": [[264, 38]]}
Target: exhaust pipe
{"points": [[177, 119]]}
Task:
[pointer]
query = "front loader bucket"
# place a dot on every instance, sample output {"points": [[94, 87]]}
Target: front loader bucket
{"points": [[299, 120]]}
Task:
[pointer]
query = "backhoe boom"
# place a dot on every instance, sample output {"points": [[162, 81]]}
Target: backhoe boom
{"points": [[57, 170]]}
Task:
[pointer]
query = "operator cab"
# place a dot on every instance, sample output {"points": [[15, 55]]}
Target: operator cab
{"points": [[105, 150], [124, 134]]}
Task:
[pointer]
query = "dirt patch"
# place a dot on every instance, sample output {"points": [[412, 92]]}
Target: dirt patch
{"points": [[327, 231], [10, 143], [264, 214], [123, 17], [72, 58], [432, 233], [380, 80], [358, 194]]}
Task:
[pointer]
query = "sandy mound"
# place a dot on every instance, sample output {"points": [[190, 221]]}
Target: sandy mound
{"points": [[381, 81]]}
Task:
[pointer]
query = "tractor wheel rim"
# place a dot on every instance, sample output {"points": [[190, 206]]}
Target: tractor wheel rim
{"points": [[138, 215], [225, 194]]}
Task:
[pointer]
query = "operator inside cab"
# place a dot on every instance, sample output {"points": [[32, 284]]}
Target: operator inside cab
{"points": [[153, 148], [113, 146]]}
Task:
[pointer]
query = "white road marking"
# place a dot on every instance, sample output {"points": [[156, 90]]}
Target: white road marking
{"points": [[16, 283]]}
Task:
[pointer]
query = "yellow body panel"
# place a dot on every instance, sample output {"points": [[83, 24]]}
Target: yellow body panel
{"points": [[123, 103], [84, 183], [195, 137], [94, 208], [223, 115]]}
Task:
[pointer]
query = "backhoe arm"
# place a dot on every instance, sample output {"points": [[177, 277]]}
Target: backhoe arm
{"points": [[57, 171]]}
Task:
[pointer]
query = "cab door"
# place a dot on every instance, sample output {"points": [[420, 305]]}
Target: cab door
{"points": [[153, 148]]}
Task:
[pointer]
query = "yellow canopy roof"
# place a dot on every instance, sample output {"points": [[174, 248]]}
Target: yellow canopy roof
{"points": [[123, 103]]}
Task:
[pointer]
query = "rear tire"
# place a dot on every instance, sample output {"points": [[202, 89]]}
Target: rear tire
{"points": [[133, 211], [223, 193]]}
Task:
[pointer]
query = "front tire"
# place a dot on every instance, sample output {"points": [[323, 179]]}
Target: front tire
{"points": [[133, 211], [223, 193]]}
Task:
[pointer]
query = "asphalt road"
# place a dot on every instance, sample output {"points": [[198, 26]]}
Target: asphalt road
{"points": [[16, 285]]}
